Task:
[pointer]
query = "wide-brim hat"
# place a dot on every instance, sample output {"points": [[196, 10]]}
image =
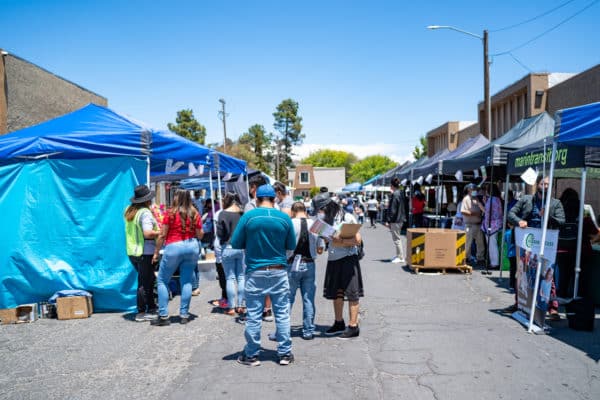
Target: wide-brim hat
{"points": [[142, 194]]}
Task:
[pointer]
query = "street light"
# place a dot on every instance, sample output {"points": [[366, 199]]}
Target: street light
{"points": [[486, 74]]}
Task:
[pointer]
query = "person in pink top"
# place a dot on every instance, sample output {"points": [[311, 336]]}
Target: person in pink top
{"points": [[181, 229]]}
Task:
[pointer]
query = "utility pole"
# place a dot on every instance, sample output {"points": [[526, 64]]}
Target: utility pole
{"points": [[486, 91], [223, 116]]}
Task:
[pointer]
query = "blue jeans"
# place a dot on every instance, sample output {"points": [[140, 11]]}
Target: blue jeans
{"points": [[275, 284], [233, 264], [182, 255], [305, 280]]}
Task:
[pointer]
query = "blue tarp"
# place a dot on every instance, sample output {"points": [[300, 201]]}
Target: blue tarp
{"points": [[64, 185], [63, 229], [579, 126]]}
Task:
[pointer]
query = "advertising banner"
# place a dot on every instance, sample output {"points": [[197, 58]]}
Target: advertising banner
{"points": [[528, 242]]}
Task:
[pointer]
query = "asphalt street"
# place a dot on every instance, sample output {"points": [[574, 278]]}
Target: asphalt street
{"points": [[425, 336]]}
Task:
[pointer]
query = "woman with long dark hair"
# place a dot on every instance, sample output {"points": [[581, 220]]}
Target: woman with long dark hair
{"points": [[232, 259], [181, 230], [343, 278]]}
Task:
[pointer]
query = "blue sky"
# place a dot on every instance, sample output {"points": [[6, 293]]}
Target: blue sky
{"points": [[369, 77]]}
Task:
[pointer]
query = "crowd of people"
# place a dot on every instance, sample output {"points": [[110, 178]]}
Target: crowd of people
{"points": [[265, 250]]}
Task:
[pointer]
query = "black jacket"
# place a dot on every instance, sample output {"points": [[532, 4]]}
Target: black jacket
{"points": [[397, 209], [522, 211]]}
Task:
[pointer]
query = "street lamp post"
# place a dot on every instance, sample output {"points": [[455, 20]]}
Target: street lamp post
{"points": [[487, 107], [223, 116]]}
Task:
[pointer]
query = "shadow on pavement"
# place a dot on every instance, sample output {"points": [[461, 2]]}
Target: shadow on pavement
{"points": [[264, 355], [587, 342]]}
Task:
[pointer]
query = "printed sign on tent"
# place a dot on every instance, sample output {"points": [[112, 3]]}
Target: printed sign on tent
{"points": [[459, 175], [171, 168], [529, 176], [528, 242]]}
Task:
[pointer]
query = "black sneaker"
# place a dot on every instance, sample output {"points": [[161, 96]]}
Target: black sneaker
{"points": [[250, 361], [310, 336], [351, 332], [267, 315], [286, 359], [337, 327], [139, 317], [184, 320], [161, 321], [241, 319]]}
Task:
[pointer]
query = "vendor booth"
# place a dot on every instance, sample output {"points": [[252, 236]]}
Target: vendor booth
{"points": [[576, 127], [64, 185]]}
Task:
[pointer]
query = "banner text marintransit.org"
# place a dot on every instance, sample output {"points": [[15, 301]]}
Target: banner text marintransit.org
{"points": [[531, 159]]}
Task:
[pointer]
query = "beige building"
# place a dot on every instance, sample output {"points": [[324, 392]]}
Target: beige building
{"points": [[305, 177], [445, 136], [30, 95], [523, 99]]}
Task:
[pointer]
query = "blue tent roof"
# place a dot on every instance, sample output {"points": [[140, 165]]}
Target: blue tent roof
{"points": [[352, 187], [578, 125], [95, 131]]}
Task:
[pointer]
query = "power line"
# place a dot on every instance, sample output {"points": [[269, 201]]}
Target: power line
{"points": [[533, 18], [520, 63], [547, 31]]}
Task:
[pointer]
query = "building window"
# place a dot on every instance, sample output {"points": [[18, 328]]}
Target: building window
{"points": [[304, 178]]}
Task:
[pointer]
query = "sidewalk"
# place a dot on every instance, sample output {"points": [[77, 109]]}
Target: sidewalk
{"points": [[422, 337]]}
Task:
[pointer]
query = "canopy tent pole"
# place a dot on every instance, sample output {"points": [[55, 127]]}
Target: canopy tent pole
{"points": [[580, 232], [548, 200], [248, 184], [219, 189], [410, 201], [504, 217], [438, 195], [148, 171]]}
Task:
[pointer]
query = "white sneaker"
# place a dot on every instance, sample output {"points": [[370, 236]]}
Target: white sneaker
{"points": [[397, 260]]}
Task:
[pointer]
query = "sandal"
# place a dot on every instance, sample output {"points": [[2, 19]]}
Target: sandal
{"points": [[230, 311]]}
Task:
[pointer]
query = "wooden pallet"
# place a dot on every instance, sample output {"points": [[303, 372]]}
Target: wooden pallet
{"points": [[465, 269]]}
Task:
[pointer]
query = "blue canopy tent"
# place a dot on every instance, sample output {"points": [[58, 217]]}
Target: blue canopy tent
{"points": [[577, 126], [352, 187], [63, 187]]}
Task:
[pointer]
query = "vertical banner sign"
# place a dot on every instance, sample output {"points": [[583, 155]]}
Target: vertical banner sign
{"points": [[528, 242]]}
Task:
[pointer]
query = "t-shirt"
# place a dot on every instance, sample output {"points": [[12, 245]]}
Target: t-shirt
{"points": [[176, 232], [372, 205], [313, 240], [287, 202], [148, 224], [336, 253], [265, 234], [471, 204], [418, 204], [228, 221]]}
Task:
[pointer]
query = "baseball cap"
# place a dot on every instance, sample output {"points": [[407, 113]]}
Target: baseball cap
{"points": [[265, 191]]}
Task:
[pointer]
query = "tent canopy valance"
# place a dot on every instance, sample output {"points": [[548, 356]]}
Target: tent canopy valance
{"points": [[95, 132], [524, 133]]}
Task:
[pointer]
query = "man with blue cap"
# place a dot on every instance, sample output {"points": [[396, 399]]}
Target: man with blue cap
{"points": [[265, 234]]}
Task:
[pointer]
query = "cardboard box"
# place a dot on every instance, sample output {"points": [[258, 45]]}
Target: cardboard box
{"points": [[74, 307], [436, 247], [27, 312], [8, 316]]}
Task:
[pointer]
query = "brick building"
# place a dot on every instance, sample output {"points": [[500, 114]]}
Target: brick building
{"points": [[445, 136], [30, 94]]}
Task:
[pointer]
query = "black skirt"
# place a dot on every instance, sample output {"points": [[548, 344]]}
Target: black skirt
{"points": [[343, 279]]}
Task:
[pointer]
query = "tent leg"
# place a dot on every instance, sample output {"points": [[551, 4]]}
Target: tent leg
{"points": [[548, 201], [579, 232], [502, 241]]}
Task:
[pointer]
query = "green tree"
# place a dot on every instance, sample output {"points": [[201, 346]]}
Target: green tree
{"points": [[187, 126], [259, 143], [240, 150], [420, 150], [331, 159], [370, 166], [289, 125]]}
